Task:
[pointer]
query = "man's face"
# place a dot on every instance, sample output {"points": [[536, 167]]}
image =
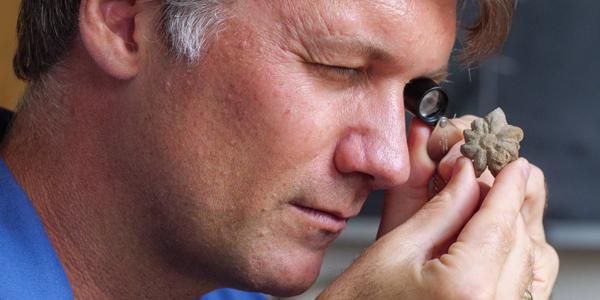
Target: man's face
{"points": [[253, 160]]}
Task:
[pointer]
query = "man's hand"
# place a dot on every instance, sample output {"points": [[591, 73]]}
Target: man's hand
{"points": [[476, 239]]}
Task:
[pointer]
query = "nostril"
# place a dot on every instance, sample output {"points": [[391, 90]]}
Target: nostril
{"points": [[391, 173], [350, 154]]}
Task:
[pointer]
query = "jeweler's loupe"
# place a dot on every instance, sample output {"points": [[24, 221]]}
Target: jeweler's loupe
{"points": [[426, 100]]}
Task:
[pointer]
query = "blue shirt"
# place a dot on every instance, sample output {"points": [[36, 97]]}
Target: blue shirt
{"points": [[29, 266]]}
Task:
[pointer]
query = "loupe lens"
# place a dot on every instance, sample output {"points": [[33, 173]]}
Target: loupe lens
{"points": [[426, 100], [430, 104]]}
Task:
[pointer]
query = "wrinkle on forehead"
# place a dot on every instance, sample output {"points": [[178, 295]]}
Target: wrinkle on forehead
{"points": [[406, 28], [308, 16], [395, 7], [318, 16]]}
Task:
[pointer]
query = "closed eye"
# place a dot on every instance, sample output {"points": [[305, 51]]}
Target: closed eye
{"points": [[338, 72], [343, 70]]}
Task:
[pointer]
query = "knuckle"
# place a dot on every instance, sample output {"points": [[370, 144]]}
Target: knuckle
{"points": [[537, 173], [459, 125], [469, 117], [465, 121], [552, 256], [447, 163], [453, 279], [537, 176], [536, 187]]}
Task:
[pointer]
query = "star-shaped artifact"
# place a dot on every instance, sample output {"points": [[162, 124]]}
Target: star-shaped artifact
{"points": [[492, 143]]}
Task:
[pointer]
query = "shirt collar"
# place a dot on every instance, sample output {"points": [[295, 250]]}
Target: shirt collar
{"points": [[29, 264]]}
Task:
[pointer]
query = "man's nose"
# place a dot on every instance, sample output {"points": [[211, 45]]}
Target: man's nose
{"points": [[375, 142]]}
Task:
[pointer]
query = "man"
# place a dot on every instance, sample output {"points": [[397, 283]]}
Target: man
{"points": [[175, 147]]}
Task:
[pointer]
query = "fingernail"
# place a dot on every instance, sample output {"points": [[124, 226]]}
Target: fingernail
{"points": [[460, 164]]}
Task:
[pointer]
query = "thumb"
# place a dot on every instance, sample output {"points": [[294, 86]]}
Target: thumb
{"points": [[443, 217], [403, 201]]}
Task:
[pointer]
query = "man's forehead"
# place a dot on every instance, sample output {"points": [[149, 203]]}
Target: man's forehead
{"points": [[396, 7], [381, 29], [350, 8]]}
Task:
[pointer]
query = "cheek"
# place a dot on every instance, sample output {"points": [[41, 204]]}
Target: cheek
{"points": [[283, 115], [268, 102]]}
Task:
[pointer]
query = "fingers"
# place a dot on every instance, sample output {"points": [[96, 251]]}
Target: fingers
{"points": [[506, 236], [487, 239], [443, 216], [402, 202], [517, 273], [508, 193], [535, 204], [545, 271], [421, 165], [447, 136], [447, 163], [546, 264], [546, 259], [535, 198]]}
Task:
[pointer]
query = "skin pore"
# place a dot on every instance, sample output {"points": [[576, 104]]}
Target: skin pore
{"points": [[181, 179]]}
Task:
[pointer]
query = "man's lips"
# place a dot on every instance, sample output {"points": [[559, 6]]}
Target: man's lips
{"points": [[327, 220]]}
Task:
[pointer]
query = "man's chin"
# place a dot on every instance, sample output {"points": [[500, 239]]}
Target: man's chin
{"points": [[286, 278], [280, 288]]}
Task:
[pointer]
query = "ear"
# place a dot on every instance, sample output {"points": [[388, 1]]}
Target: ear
{"points": [[108, 31]]}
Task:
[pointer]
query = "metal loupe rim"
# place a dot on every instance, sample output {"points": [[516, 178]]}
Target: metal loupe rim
{"points": [[433, 118], [414, 93]]}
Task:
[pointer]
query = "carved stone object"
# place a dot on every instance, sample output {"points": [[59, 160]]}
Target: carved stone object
{"points": [[492, 143]]}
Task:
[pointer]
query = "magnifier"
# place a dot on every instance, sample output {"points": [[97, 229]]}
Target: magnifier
{"points": [[426, 100]]}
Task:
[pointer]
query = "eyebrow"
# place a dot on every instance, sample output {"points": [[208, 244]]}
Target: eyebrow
{"points": [[440, 75], [356, 45], [374, 51]]}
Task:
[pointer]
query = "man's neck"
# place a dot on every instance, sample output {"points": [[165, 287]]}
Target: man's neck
{"points": [[97, 223]]}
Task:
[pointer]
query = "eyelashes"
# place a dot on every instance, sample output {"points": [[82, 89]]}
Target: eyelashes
{"points": [[339, 73], [344, 71]]}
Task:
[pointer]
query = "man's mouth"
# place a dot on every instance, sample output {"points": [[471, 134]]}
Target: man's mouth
{"points": [[326, 220]]}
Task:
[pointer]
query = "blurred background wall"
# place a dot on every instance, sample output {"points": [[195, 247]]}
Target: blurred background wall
{"points": [[10, 86]]}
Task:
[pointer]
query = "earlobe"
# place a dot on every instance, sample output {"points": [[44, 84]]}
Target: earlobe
{"points": [[107, 30]]}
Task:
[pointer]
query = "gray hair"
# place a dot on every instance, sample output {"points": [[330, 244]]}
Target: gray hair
{"points": [[46, 30], [188, 24]]}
